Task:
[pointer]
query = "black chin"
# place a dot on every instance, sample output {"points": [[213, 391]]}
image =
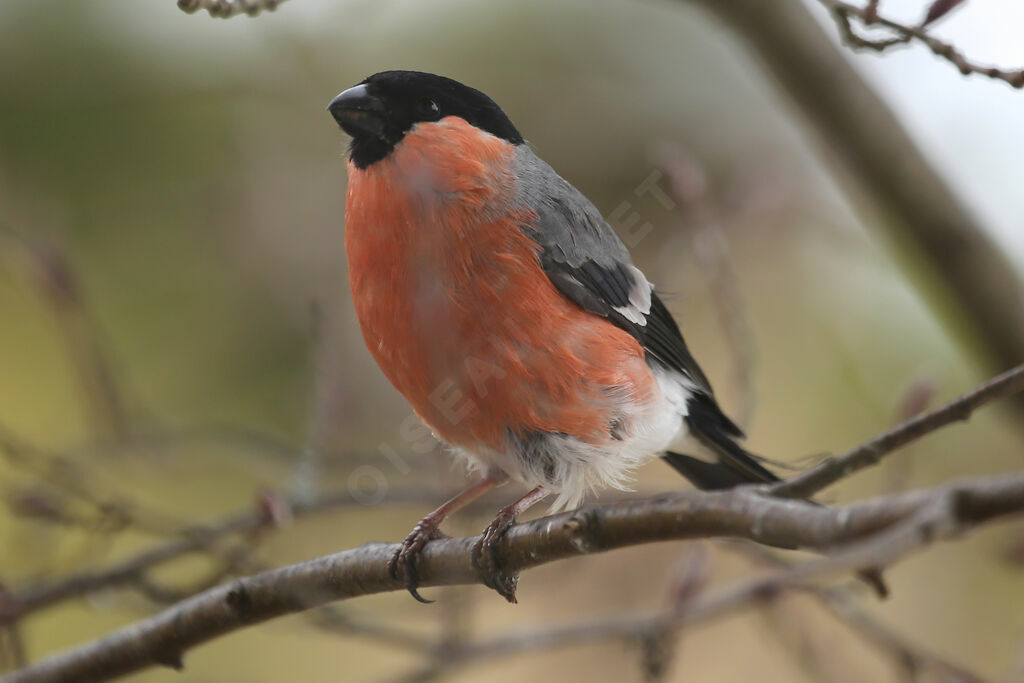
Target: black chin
{"points": [[366, 150]]}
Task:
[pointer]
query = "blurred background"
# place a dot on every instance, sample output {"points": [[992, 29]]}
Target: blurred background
{"points": [[177, 343]]}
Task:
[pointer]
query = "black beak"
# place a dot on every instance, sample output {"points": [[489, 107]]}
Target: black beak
{"points": [[358, 112]]}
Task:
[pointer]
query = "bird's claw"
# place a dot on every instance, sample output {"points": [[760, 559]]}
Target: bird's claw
{"points": [[402, 566], [485, 557]]}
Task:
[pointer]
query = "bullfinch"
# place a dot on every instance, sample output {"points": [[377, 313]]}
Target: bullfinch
{"points": [[506, 310]]}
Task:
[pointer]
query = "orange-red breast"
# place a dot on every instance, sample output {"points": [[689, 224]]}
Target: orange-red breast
{"points": [[504, 308]]}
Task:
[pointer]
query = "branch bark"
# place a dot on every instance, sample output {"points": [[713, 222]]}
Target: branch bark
{"points": [[843, 12], [901, 522], [132, 571]]}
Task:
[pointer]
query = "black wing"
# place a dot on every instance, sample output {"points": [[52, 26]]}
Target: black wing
{"points": [[605, 290]]}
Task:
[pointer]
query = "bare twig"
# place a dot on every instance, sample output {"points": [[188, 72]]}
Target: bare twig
{"points": [[871, 11], [912, 401], [225, 9], [841, 602], [878, 532], [659, 638], [132, 571], [871, 452], [939, 9], [52, 276], [688, 184], [65, 476], [907, 655], [655, 631], [12, 647], [903, 34], [330, 618], [803, 641], [651, 631]]}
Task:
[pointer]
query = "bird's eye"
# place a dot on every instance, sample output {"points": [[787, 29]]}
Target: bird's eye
{"points": [[428, 108]]}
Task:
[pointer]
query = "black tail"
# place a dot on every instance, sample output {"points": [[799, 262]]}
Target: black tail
{"points": [[717, 432]]}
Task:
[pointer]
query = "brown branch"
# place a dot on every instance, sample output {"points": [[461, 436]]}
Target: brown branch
{"points": [[12, 647], [871, 452], [840, 601], [68, 477], [909, 656], [53, 278], [225, 9], [875, 533], [132, 571], [651, 630], [937, 10], [689, 187], [659, 628], [330, 618], [903, 34], [871, 11]]}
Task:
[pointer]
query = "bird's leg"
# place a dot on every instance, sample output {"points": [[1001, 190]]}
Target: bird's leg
{"points": [[403, 562], [485, 555]]}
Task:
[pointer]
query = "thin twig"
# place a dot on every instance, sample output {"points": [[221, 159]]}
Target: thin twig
{"points": [[330, 618], [225, 9], [52, 276], [909, 656], [67, 476], [132, 572], [841, 602], [871, 11], [652, 631], [688, 186], [903, 34], [871, 452], [12, 647]]}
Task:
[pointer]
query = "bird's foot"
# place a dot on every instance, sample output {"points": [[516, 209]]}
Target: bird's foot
{"points": [[402, 565], [485, 556]]}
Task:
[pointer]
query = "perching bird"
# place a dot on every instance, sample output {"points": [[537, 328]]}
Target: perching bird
{"points": [[505, 309]]}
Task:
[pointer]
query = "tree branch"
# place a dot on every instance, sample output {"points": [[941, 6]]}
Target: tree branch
{"points": [[742, 513], [132, 571], [903, 34], [871, 452], [899, 523], [650, 629], [907, 655], [225, 9], [53, 277]]}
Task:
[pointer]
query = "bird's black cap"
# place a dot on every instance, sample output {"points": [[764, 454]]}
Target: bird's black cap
{"points": [[379, 111]]}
